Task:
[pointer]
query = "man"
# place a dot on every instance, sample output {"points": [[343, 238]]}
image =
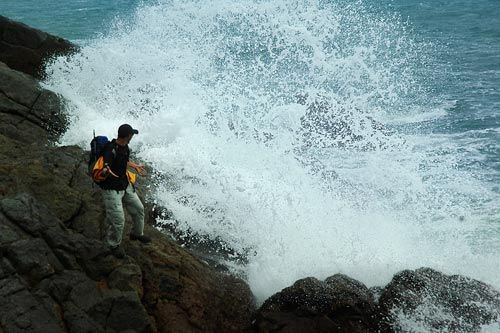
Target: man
{"points": [[118, 190]]}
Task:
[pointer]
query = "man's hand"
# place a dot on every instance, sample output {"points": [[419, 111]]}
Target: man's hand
{"points": [[138, 167]]}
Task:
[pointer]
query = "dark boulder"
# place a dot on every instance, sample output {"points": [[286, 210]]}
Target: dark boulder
{"points": [[439, 302], [26, 49], [127, 277], [28, 113], [28, 214], [24, 311], [6, 268], [8, 232], [103, 308], [338, 304], [186, 295], [33, 258]]}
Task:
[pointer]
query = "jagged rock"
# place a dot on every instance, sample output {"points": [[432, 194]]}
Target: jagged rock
{"points": [[127, 277], [6, 268], [237, 306], [89, 301], [24, 103], [74, 250], [94, 257], [27, 214], [184, 294], [22, 311], [44, 173], [111, 309], [338, 304], [33, 258], [78, 321], [60, 286], [8, 233], [437, 301], [25, 49], [127, 313]]}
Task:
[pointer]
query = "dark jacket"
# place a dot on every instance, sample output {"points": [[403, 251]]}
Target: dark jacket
{"points": [[116, 157]]}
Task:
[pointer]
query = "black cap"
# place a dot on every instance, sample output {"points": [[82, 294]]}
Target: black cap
{"points": [[125, 130]]}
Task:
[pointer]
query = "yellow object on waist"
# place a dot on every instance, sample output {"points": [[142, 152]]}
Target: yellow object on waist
{"points": [[97, 172]]}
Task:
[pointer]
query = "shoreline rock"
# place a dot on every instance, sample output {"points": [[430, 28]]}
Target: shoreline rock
{"points": [[434, 301], [447, 303], [25, 49], [338, 304]]}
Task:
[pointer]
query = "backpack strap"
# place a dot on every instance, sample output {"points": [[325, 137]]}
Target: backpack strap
{"points": [[111, 145]]}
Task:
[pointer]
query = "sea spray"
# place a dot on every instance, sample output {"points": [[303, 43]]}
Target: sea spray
{"points": [[222, 93]]}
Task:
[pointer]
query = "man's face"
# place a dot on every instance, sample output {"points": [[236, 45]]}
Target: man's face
{"points": [[129, 138]]}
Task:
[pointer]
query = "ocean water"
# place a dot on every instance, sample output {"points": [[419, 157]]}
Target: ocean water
{"points": [[220, 90], [78, 20]]}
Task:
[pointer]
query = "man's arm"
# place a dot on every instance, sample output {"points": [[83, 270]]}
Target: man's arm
{"points": [[138, 167]]}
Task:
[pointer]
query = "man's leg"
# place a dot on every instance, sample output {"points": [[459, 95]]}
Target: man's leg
{"points": [[136, 210], [115, 218]]}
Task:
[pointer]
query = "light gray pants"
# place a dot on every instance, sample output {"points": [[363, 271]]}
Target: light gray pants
{"points": [[115, 216]]}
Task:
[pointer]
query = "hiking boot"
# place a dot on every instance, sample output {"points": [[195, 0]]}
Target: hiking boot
{"points": [[143, 239], [117, 251]]}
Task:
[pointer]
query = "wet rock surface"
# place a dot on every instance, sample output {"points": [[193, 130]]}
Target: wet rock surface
{"points": [[445, 303], [338, 304], [422, 300]]}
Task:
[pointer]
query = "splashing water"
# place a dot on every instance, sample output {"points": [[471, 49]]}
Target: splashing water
{"points": [[265, 121]]}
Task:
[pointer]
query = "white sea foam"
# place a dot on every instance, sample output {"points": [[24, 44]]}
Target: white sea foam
{"points": [[212, 87]]}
